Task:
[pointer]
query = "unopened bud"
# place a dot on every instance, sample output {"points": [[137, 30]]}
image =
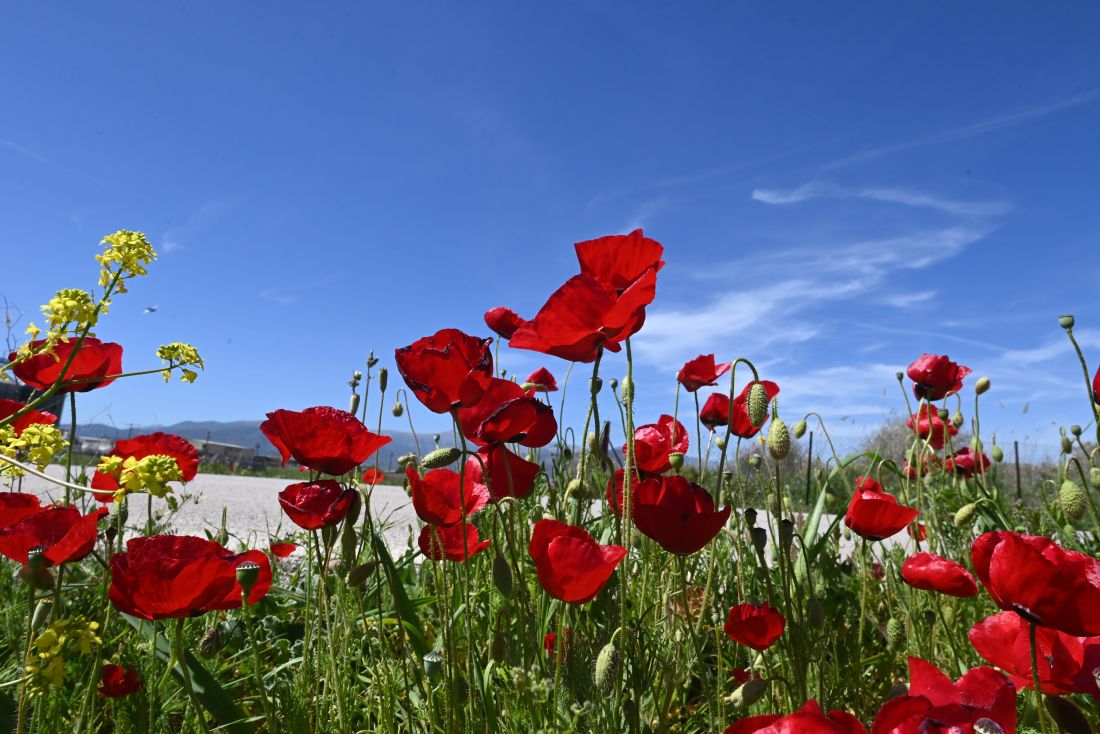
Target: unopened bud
{"points": [[895, 632], [720, 442], [1094, 477], [626, 389], [779, 440], [957, 420], [592, 441], [595, 384], [353, 403], [750, 517], [997, 454], [1066, 321], [42, 613], [1067, 445], [359, 575], [899, 375], [962, 517], [977, 445], [607, 664], [614, 382], [799, 429], [982, 385], [757, 404], [1075, 429], [398, 409], [440, 458], [502, 576], [749, 692], [383, 379], [247, 574], [406, 459], [1073, 500], [675, 459], [574, 488], [942, 413]]}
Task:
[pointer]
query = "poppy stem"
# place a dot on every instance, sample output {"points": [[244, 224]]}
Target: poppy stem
{"points": [[1088, 384], [185, 672], [862, 603], [19, 718], [1035, 677], [272, 725], [698, 438]]}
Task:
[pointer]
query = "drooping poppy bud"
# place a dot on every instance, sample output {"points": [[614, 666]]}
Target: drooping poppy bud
{"points": [[440, 458], [779, 440], [1072, 498], [757, 404]]}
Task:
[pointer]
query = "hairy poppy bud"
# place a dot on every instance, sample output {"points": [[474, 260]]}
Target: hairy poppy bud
{"points": [[247, 573], [398, 409], [675, 459], [42, 613], [1066, 714], [1073, 500], [502, 576], [815, 613], [1066, 321], [754, 461], [614, 382], [1067, 445], [349, 539], [942, 413], [593, 443], [749, 692], [799, 429], [997, 454], [359, 575], [607, 663], [440, 458], [779, 440], [750, 517], [433, 665], [895, 632], [982, 385], [575, 487], [757, 404], [759, 539], [1094, 477], [353, 403], [406, 459], [957, 419], [383, 379], [720, 442], [626, 389], [962, 517]]}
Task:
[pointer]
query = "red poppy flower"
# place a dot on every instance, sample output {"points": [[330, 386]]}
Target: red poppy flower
{"points": [[542, 380], [324, 439], [967, 463], [927, 424], [62, 531], [93, 362], [716, 411], [504, 473], [117, 681], [439, 542], [619, 260], [14, 506], [315, 505], [653, 443], [935, 377], [550, 644], [447, 370], [506, 414], [438, 498], [373, 476], [283, 550], [701, 371], [677, 514], [615, 491], [875, 515], [571, 566], [11, 407], [1066, 662], [1039, 580], [809, 719], [173, 576], [1096, 386], [503, 321], [153, 444], [933, 573], [755, 625], [920, 535], [935, 705]]}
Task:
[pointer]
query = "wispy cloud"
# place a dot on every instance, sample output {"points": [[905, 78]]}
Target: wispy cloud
{"points": [[906, 197], [982, 127], [909, 300], [176, 238], [39, 158]]}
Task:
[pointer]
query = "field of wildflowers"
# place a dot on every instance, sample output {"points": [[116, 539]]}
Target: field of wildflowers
{"points": [[678, 583]]}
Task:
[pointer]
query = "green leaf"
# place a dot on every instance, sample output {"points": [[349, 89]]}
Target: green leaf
{"points": [[409, 618]]}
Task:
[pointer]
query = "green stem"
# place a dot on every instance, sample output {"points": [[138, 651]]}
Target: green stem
{"points": [[1035, 679], [177, 653], [272, 725]]}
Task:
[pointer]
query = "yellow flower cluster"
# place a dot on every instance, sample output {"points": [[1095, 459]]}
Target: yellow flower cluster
{"points": [[150, 474], [46, 664], [37, 444], [180, 354], [72, 307], [126, 255]]}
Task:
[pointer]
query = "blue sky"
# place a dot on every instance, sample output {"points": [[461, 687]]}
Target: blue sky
{"points": [[839, 187]]}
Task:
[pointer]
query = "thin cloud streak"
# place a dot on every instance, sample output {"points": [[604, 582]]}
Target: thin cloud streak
{"points": [[38, 158], [819, 190]]}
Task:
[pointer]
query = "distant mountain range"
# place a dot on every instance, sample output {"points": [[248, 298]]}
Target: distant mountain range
{"points": [[248, 434]]}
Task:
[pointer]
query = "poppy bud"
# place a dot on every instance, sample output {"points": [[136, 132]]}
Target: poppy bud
{"points": [[371, 359], [398, 409], [786, 534], [720, 442], [626, 389], [349, 539], [929, 617], [799, 429], [997, 454], [1067, 445], [247, 573], [962, 517], [433, 665], [35, 558], [383, 379], [750, 517], [1075, 430], [1066, 714], [1066, 321], [353, 403], [440, 458], [359, 575], [957, 419], [42, 613], [595, 384], [593, 443], [607, 663], [1094, 477], [406, 459], [942, 413], [614, 382], [675, 459], [894, 632], [981, 386], [1072, 498], [757, 404], [815, 613], [779, 440], [759, 539], [749, 692], [754, 461], [575, 487], [502, 576], [977, 445]]}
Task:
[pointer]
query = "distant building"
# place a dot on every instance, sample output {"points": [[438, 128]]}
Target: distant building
{"points": [[215, 452], [93, 445]]}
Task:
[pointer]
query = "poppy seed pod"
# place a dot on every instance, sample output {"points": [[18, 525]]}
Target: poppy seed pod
{"points": [[982, 385], [1066, 321], [247, 574], [799, 429], [964, 514], [383, 379], [614, 382], [36, 557], [750, 517], [1075, 430], [749, 692], [1072, 498], [675, 459], [433, 665], [997, 454], [607, 663], [353, 403], [757, 404], [786, 534], [626, 389], [899, 375], [398, 409], [440, 458], [759, 539], [779, 439]]}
